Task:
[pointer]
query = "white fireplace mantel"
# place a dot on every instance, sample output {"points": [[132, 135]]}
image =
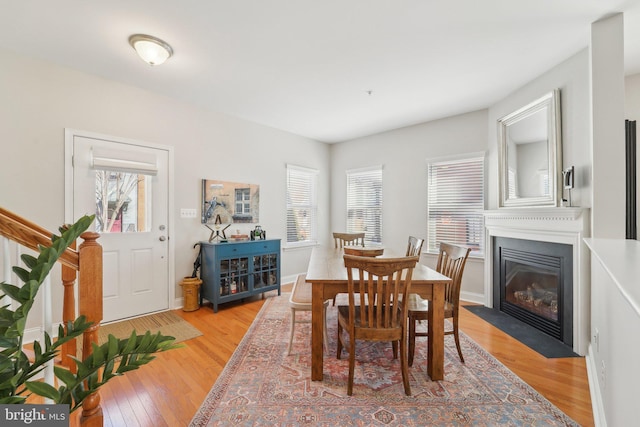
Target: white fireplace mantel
{"points": [[557, 225]]}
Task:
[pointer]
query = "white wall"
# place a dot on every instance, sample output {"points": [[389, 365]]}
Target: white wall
{"points": [[632, 97], [403, 154], [39, 100], [608, 147], [615, 316], [614, 266], [404, 174], [572, 78]]}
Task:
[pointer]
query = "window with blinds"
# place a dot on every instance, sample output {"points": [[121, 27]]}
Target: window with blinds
{"points": [[302, 205], [455, 197], [364, 203]]}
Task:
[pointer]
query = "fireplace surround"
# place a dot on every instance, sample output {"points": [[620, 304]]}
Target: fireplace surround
{"points": [[563, 225]]}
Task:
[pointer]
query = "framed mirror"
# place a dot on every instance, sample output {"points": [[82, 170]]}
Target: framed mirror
{"points": [[530, 154]]}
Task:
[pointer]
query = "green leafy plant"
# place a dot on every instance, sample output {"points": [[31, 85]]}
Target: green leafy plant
{"points": [[17, 372]]}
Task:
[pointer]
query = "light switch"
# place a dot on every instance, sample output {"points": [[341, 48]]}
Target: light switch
{"points": [[188, 213]]}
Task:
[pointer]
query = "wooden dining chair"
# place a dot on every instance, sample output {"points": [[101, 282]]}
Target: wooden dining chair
{"points": [[300, 300], [451, 262], [414, 246], [353, 241], [360, 251], [348, 239], [373, 313]]}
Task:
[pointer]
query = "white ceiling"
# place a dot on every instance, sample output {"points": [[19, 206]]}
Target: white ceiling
{"points": [[306, 66]]}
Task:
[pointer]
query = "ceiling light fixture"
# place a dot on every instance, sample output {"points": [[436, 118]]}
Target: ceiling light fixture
{"points": [[151, 49]]}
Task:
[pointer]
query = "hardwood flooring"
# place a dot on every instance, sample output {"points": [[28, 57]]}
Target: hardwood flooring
{"points": [[562, 381], [169, 390]]}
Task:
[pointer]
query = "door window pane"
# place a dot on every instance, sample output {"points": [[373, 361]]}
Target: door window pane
{"points": [[123, 202]]}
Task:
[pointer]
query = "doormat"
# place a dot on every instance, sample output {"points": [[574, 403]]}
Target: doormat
{"points": [[167, 322], [536, 340]]}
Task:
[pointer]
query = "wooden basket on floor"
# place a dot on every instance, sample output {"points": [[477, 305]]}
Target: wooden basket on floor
{"points": [[190, 287]]}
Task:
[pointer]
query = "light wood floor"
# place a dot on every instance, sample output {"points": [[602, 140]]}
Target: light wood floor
{"points": [[169, 390]]}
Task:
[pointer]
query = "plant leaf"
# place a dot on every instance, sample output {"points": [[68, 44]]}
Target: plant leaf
{"points": [[21, 273], [113, 347], [130, 343], [29, 260], [43, 389], [12, 400], [11, 291], [65, 376]]}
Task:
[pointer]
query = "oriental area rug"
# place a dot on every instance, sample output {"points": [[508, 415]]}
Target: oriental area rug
{"points": [[263, 386]]}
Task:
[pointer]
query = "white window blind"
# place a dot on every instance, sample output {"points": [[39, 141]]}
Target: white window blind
{"points": [[512, 184], [455, 203], [302, 205], [134, 162], [364, 203]]}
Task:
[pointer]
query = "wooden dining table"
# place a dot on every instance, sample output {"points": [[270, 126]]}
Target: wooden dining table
{"points": [[328, 277]]}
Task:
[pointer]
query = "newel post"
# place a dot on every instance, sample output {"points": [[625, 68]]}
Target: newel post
{"points": [[90, 305]]}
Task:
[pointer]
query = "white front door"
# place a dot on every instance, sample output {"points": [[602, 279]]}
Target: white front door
{"points": [[126, 185]]}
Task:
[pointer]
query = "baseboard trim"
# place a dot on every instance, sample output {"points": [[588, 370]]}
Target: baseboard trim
{"points": [[472, 297], [288, 279], [597, 404]]}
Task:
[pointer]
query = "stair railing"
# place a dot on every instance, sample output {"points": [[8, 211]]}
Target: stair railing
{"points": [[83, 264]]}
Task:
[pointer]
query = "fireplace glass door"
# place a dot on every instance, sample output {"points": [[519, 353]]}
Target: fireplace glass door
{"points": [[534, 289]]}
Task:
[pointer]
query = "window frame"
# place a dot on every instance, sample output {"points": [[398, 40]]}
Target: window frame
{"points": [[369, 207], [475, 221], [311, 207], [244, 201]]}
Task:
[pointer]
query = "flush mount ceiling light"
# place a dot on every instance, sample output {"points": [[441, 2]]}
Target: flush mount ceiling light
{"points": [[151, 49]]}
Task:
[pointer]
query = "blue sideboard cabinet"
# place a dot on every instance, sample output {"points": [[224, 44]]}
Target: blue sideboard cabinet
{"points": [[237, 270]]}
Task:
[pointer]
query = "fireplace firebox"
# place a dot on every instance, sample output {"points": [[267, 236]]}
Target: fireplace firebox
{"points": [[533, 282]]}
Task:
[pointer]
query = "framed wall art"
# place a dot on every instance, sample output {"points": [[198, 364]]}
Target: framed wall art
{"points": [[225, 202]]}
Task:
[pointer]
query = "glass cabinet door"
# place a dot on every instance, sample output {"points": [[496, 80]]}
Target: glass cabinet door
{"points": [[265, 270], [234, 276]]}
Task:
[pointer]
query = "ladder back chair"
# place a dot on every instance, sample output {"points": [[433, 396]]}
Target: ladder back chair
{"points": [[360, 251], [414, 246], [451, 262], [353, 244], [348, 239], [300, 300], [375, 285]]}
